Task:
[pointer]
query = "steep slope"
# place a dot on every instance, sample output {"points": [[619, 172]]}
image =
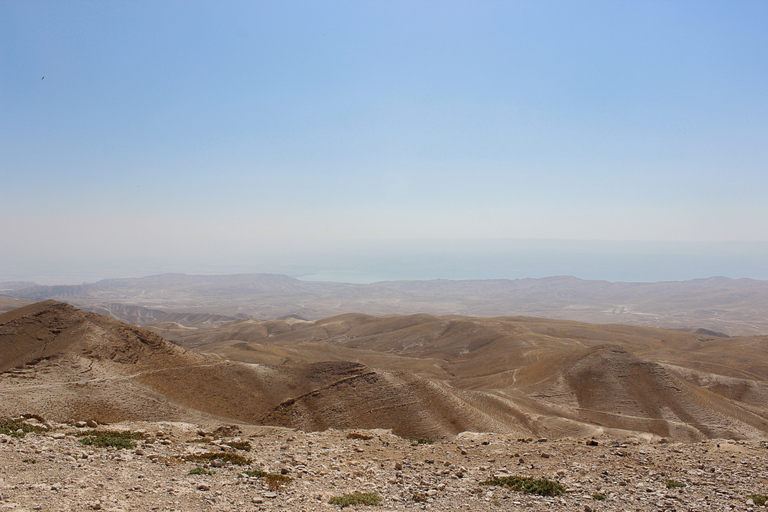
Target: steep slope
{"points": [[61, 362], [610, 386], [550, 377]]}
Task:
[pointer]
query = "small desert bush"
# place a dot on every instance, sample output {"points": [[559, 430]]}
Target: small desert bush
{"points": [[527, 484], [199, 470], [421, 440], [759, 499], [599, 496], [240, 445], [115, 438], [356, 498], [274, 481], [673, 484], [208, 457], [17, 428]]}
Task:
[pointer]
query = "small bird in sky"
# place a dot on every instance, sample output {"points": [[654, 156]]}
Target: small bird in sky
{"points": [[42, 78]]}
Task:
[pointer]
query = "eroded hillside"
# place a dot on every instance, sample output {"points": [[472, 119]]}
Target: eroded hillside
{"points": [[417, 375]]}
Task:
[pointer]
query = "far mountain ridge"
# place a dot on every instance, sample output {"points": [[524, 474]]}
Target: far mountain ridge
{"points": [[730, 306]]}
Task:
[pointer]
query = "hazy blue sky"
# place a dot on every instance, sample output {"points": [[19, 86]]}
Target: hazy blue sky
{"points": [[201, 135]]}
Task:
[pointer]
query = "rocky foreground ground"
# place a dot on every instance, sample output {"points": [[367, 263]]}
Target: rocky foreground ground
{"points": [[262, 468]]}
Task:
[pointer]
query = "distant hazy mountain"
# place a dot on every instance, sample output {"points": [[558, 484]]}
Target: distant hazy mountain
{"points": [[732, 306]]}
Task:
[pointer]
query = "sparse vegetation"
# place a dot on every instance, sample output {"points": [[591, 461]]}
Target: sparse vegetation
{"points": [[674, 484], [599, 496], [356, 498], [199, 470], [17, 428], [759, 499], [29, 461], [419, 498], [527, 484], [207, 457], [274, 481], [239, 445], [121, 439], [421, 440]]}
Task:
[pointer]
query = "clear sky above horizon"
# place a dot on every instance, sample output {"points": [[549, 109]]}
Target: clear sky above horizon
{"points": [[203, 132]]}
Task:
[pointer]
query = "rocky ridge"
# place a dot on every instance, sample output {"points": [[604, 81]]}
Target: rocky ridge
{"points": [[51, 469]]}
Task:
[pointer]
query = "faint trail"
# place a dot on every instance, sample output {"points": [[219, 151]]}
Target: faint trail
{"points": [[11, 387]]}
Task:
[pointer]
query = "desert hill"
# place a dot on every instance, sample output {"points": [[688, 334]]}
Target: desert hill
{"points": [[417, 375], [553, 377], [730, 306], [60, 362]]}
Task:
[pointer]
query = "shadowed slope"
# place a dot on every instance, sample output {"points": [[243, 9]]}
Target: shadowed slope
{"points": [[552, 377], [61, 362]]}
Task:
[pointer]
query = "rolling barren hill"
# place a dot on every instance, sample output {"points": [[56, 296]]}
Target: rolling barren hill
{"points": [[61, 362], [417, 375], [731, 306], [550, 377]]}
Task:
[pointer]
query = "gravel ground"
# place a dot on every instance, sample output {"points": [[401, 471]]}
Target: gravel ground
{"points": [[53, 470]]}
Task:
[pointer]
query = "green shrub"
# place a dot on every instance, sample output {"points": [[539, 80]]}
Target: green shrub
{"points": [[199, 470], [527, 484], [274, 481], [17, 428], [205, 458], [599, 496], [759, 499], [421, 440], [356, 498], [29, 461], [673, 484], [242, 445], [121, 439]]}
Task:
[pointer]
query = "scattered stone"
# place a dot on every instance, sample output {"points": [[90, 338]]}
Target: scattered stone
{"points": [[322, 465]]}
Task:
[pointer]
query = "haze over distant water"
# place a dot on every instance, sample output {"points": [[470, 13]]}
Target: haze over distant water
{"points": [[383, 139], [382, 260]]}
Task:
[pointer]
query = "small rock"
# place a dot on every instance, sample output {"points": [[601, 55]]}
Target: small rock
{"points": [[92, 423]]}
